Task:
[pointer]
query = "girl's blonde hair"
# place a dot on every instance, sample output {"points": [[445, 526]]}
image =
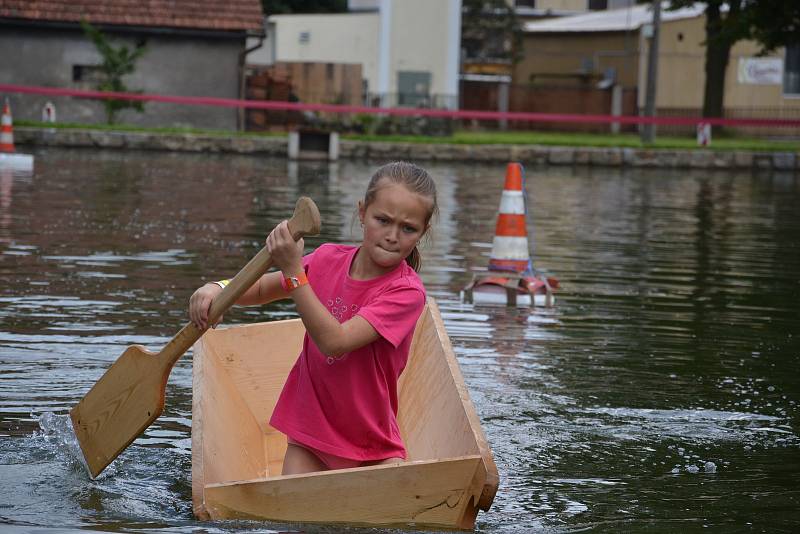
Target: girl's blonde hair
{"points": [[415, 179]]}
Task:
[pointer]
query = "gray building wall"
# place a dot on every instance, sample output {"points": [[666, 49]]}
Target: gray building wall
{"points": [[174, 64]]}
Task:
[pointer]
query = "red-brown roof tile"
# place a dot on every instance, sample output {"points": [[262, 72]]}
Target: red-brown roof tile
{"points": [[226, 15]]}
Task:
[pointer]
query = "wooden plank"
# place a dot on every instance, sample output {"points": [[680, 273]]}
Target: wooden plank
{"points": [[198, 412], [230, 445], [436, 416], [258, 358], [236, 383], [425, 494]]}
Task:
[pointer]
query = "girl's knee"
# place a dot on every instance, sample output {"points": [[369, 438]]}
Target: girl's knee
{"points": [[298, 460]]}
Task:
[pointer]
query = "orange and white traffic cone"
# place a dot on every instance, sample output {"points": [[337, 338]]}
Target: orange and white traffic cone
{"points": [[511, 278], [510, 244], [6, 130], [9, 159]]}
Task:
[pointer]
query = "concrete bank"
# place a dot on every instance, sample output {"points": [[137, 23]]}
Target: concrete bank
{"points": [[528, 154]]}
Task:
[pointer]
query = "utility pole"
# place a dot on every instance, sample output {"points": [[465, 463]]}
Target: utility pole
{"points": [[649, 130]]}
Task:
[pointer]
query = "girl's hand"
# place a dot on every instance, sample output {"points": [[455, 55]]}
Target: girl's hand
{"points": [[200, 303], [285, 251]]}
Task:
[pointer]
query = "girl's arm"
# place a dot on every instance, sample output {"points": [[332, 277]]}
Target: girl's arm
{"points": [[266, 289], [332, 337]]}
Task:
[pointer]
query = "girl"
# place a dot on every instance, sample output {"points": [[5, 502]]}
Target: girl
{"points": [[359, 305]]}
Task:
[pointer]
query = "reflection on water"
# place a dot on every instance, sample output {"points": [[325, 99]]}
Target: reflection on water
{"points": [[661, 392]]}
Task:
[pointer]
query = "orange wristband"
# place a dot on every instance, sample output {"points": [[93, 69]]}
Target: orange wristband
{"points": [[290, 283]]}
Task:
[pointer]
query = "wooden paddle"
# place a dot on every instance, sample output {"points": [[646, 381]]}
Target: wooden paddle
{"points": [[130, 395]]}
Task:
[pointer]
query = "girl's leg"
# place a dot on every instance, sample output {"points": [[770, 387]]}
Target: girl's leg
{"points": [[299, 460]]}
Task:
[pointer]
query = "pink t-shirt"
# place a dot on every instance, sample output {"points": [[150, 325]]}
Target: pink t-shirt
{"points": [[347, 405]]}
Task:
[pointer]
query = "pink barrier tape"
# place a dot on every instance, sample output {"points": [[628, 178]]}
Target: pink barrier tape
{"points": [[458, 114]]}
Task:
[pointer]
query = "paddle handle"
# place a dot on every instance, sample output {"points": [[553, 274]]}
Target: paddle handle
{"points": [[305, 221]]}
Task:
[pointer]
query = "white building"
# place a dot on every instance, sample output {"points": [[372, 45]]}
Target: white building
{"points": [[408, 49]]}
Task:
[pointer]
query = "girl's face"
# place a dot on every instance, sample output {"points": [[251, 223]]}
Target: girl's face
{"points": [[394, 222]]}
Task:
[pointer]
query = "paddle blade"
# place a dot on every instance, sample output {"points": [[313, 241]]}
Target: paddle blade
{"points": [[119, 407]]}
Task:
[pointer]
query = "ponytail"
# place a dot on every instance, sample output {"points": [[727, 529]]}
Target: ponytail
{"points": [[414, 259]]}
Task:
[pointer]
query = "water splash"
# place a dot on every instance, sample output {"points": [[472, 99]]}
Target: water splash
{"points": [[58, 430]]}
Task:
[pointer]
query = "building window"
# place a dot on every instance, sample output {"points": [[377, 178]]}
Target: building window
{"points": [[598, 5], [791, 71], [87, 74], [525, 3], [305, 37], [413, 89]]}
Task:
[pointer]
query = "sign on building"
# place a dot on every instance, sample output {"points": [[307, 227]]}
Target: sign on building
{"points": [[760, 71]]}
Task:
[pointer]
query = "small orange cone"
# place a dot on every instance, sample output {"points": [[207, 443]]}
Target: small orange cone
{"points": [[511, 278], [510, 244], [9, 159], [6, 130]]}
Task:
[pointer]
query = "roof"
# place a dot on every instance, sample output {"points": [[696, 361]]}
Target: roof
{"points": [[623, 19], [221, 15]]}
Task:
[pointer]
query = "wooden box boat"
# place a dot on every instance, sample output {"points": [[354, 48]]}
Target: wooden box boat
{"points": [[237, 457]]}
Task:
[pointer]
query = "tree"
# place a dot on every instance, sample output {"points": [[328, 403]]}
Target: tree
{"points": [[772, 23], [490, 30], [775, 23], [275, 7], [117, 63]]}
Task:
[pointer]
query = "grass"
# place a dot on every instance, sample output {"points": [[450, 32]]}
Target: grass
{"points": [[589, 140], [484, 137], [142, 129]]}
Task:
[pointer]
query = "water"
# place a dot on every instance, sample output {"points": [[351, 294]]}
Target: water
{"points": [[660, 393]]}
